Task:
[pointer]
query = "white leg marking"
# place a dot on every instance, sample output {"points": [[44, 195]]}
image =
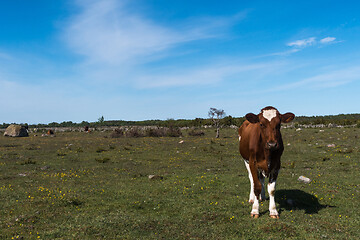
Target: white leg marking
{"points": [[272, 206], [262, 195], [252, 194], [239, 138], [255, 207]]}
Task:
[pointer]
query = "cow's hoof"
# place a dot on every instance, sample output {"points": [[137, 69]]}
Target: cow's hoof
{"points": [[255, 215], [275, 216]]}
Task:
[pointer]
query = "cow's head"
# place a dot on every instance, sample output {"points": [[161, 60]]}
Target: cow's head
{"points": [[269, 120]]}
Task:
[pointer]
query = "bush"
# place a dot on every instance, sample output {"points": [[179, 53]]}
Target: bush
{"points": [[196, 133], [149, 132], [117, 133], [134, 132], [173, 132], [155, 132]]}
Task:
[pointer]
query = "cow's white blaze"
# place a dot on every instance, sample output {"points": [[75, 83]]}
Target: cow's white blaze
{"points": [[269, 114]]}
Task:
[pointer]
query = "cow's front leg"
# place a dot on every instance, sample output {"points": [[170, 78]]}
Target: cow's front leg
{"points": [[271, 190], [257, 190], [251, 195]]}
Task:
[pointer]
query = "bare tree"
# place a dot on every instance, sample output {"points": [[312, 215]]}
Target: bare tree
{"points": [[216, 115]]}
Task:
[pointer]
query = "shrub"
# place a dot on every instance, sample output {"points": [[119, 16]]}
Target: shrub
{"points": [[155, 132], [134, 132], [173, 132], [196, 133], [117, 133]]}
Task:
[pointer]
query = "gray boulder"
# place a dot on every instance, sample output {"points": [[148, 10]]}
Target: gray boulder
{"points": [[16, 131]]}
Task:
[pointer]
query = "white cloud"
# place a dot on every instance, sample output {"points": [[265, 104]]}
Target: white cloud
{"points": [[205, 75], [302, 43], [325, 80], [107, 32], [283, 53], [327, 40], [118, 44]]}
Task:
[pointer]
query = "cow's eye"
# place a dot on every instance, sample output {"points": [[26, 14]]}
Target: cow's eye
{"points": [[262, 125]]}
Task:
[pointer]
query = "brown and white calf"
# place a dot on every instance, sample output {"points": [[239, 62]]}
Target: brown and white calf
{"points": [[261, 146]]}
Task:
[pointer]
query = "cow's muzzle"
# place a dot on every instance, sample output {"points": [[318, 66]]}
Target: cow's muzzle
{"points": [[272, 145]]}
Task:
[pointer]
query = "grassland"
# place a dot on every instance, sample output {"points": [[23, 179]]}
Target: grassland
{"points": [[86, 186]]}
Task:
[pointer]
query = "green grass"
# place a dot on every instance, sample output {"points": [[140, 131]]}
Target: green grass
{"points": [[85, 186]]}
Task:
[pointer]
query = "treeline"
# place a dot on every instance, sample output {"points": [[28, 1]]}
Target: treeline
{"points": [[197, 122], [341, 119]]}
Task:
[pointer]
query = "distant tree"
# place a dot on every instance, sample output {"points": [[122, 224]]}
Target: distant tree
{"points": [[53, 124], [101, 119], [229, 120], [216, 115], [84, 123], [197, 122]]}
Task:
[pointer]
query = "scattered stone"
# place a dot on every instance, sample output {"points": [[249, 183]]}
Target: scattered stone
{"points": [[331, 145], [288, 144], [304, 179], [44, 167], [22, 174], [299, 129], [182, 141], [155, 177], [16, 131]]}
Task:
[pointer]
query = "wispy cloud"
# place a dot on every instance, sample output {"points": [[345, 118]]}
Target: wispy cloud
{"points": [[302, 43], [205, 75], [327, 40], [325, 80], [118, 44], [283, 53], [107, 32]]}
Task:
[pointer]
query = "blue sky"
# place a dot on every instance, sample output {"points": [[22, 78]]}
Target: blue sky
{"points": [[160, 59]]}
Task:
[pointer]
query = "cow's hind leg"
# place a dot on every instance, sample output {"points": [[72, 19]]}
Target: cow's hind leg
{"points": [[252, 194]]}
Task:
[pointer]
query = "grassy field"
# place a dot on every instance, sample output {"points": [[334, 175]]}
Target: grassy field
{"points": [[91, 186]]}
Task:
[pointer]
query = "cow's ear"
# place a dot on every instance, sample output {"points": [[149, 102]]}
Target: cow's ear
{"points": [[252, 118], [287, 117]]}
